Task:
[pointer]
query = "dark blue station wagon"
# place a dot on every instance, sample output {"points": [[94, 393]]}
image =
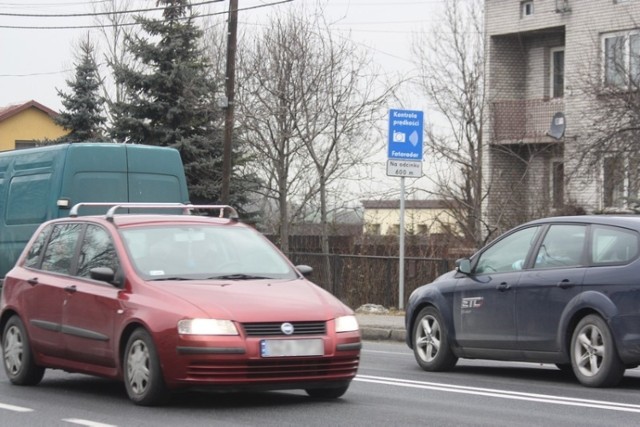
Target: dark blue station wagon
{"points": [[562, 290]]}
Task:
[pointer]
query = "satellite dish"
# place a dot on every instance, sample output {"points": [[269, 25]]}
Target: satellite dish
{"points": [[557, 126]]}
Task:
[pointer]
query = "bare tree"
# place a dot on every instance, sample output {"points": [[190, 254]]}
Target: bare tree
{"points": [[341, 99], [450, 61], [265, 106], [114, 27], [305, 101]]}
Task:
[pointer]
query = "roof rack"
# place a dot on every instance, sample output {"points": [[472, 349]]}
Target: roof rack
{"points": [[187, 209]]}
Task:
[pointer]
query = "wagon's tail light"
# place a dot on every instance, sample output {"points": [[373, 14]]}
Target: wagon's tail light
{"points": [[347, 324], [206, 327]]}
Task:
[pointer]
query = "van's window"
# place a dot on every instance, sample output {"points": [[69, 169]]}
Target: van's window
{"points": [[613, 245], [563, 246], [33, 257], [26, 199], [58, 257], [149, 187], [97, 251], [112, 185]]}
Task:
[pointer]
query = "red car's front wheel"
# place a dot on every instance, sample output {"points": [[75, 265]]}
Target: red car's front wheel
{"points": [[142, 373]]}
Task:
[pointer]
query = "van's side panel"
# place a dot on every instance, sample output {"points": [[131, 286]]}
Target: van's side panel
{"points": [[29, 183]]}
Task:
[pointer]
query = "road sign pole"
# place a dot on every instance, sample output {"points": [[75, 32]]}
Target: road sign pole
{"points": [[404, 158], [401, 232]]}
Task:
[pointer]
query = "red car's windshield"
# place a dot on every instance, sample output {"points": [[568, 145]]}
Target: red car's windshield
{"points": [[203, 252]]}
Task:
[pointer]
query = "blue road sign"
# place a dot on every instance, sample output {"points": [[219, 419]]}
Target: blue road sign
{"points": [[405, 134]]}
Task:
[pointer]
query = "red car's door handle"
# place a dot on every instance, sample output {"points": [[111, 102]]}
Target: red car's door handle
{"points": [[70, 289], [33, 281]]}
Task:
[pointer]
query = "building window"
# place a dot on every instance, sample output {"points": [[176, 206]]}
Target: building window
{"points": [[526, 8], [557, 184], [373, 229], [621, 180], [394, 229], [621, 61], [613, 181], [633, 180], [614, 61], [557, 72], [634, 59], [25, 144]]}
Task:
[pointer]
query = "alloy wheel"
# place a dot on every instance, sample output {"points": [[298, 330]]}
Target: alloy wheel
{"points": [[428, 337], [589, 350]]}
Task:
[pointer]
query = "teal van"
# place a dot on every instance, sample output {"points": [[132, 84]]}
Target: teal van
{"points": [[39, 184]]}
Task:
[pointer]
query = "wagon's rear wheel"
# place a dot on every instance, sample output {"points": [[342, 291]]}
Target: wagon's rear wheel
{"points": [[594, 357]]}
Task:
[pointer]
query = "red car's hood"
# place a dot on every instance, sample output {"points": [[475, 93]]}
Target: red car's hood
{"points": [[258, 301]]}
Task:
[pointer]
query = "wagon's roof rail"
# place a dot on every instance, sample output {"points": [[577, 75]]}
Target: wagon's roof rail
{"points": [[187, 209]]}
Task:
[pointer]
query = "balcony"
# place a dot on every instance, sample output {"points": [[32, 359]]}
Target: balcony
{"points": [[523, 120]]}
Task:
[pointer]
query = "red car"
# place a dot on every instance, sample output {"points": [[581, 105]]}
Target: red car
{"points": [[166, 301]]}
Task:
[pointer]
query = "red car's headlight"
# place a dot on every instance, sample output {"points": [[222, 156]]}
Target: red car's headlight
{"points": [[347, 324], [206, 327]]}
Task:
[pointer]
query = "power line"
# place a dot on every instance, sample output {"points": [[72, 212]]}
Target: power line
{"points": [[49, 4], [128, 24], [116, 12], [49, 73]]}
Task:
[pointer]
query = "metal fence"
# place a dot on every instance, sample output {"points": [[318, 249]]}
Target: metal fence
{"points": [[363, 279]]}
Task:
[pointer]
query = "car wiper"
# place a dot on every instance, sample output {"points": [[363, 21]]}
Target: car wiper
{"points": [[238, 276], [159, 279]]}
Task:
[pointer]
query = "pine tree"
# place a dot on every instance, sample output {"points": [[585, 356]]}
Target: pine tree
{"points": [[84, 106], [170, 97]]}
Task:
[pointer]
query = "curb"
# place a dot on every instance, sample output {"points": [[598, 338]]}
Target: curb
{"points": [[382, 334]]}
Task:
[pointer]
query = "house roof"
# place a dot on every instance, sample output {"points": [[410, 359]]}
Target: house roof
{"points": [[409, 204], [12, 110]]}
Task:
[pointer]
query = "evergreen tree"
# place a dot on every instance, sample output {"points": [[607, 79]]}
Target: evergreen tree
{"points": [[84, 106], [170, 97]]}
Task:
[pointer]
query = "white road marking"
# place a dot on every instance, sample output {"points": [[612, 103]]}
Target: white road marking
{"points": [[15, 408], [395, 353], [502, 394], [87, 423]]}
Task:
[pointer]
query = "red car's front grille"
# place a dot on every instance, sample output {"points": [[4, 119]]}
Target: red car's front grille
{"points": [[273, 369], [274, 328]]}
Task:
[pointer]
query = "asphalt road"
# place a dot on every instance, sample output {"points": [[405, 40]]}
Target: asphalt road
{"points": [[390, 390]]}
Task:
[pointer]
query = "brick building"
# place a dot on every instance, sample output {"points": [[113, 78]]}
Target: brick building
{"points": [[540, 54]]}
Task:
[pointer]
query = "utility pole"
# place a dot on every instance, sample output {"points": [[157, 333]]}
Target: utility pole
{"points": [[232, 42]]}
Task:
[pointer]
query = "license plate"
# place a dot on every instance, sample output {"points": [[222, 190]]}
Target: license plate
{"points": [[289, 348]]}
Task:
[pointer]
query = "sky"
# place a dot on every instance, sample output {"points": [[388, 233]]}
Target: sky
{"points": [[37, 61]]}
